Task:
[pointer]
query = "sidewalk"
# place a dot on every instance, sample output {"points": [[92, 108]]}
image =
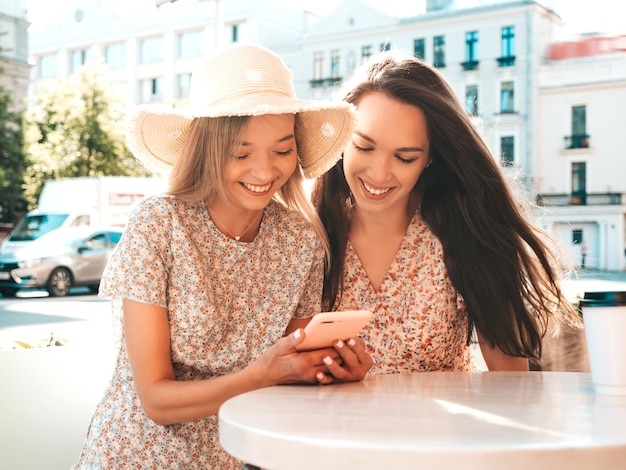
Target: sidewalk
{"points": [[587, 280], [617, 276]]}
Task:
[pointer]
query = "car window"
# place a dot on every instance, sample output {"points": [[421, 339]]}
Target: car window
{"points": [[34, 226], [115, 237], [97, 242]]}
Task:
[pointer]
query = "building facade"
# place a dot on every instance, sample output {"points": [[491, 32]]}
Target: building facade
{"points": [[14, 51], [549, 114]]}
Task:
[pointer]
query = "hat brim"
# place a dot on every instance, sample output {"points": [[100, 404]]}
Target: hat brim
{"points": [[157, 135]]}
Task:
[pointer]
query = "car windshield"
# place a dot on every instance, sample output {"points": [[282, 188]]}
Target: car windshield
{"points": [[32, 227]]}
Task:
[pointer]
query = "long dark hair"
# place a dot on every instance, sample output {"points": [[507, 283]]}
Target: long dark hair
{"points": [[496, 258]]}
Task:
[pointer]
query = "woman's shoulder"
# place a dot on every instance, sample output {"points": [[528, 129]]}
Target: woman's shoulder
{"points": [[161, 204]]}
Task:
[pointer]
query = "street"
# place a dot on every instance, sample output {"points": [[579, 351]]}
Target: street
{"points": [[32, 317], [84, 319]]}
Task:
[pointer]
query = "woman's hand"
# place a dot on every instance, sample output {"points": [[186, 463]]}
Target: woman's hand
{"points": [[282, 364], [353, 364]]}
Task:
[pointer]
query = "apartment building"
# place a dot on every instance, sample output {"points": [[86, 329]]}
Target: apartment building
{"points": [[550, 115], [14, 51], [580, 149]]}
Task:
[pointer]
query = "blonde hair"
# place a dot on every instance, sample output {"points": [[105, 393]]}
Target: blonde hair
{"points": [[198, 175]]}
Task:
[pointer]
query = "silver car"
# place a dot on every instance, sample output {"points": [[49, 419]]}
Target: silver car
{"points": [[59, 260]]}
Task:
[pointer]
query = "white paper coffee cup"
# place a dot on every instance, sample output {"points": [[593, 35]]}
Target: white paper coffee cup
{"points": [[604, 317]]}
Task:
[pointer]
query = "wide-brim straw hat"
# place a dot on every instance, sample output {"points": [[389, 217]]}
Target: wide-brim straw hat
{"points": [[244, 80]]}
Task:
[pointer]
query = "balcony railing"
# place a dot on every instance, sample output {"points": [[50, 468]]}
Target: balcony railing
{"points": [[581, 199], [470, 65], [576, 141], [325, 82], [507, 61]]}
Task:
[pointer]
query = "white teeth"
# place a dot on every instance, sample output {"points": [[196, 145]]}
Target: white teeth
{"points": [[375, 192], [258, 189]]}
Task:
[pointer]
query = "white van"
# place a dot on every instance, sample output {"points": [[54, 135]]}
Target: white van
{"points": [[83, 201]]}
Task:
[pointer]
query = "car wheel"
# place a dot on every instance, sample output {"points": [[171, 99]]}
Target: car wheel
{"points": [[59, 282], [8, 292]]}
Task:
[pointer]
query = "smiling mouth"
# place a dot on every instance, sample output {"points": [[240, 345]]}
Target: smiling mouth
{"points": [[374, 191], [255, 188]]}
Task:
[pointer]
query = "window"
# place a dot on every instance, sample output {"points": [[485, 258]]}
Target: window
{"points": [[366, 53], [190, 44], [115, 55], [577, 236], [507, 150], [48, 66], [151, 89], [385, 46], [151, 50], [471, 99], [419, 48], [471, 51], [579, 183], [439, 51], [183, 85], [78, 58], [335, 59], [318, 66], [507, 96], [507, 57], [234, 35], [579, 138]]}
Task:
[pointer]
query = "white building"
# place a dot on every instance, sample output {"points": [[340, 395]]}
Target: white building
{"points": [[580, 149], [501, 57], [14, 51]]}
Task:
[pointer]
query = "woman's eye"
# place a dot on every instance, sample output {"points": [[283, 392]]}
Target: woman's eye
{"points": [[284, 153], [405, 160], [362, 149]]}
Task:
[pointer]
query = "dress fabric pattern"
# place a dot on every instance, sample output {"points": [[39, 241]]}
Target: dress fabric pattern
{"points": [[419, 322], [227, 302]]}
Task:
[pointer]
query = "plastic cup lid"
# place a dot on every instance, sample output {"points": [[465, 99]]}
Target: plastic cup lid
{"points": [[603, 299]]}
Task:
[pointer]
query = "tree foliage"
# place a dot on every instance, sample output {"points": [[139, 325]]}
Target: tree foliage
{"points": [[76, 128], [13, 163]]}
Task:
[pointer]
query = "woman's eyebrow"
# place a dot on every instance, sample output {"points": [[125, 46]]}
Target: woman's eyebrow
{"points": [[401, 149]]}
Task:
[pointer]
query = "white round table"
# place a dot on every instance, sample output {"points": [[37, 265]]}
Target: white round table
{"points": [[434, 420]]}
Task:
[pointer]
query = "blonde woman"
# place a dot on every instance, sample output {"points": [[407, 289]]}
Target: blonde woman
{"points": [[213, 281]]}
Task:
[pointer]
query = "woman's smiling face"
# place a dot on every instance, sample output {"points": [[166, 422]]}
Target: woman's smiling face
{"points": [[387, 153]]}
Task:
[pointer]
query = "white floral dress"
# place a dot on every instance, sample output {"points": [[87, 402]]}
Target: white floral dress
{"points": [[227, 302], [420, 321]]}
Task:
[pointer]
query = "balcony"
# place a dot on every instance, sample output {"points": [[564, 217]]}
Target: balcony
{"points": [[507, 61], [470, 65], [581, 199], [325, 82], [576, 141]]}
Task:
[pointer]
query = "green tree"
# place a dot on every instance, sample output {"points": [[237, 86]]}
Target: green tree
{"points": [[76, 128], [13, 163]]}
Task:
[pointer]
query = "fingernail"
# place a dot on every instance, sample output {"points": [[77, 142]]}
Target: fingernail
{"points": [[298, 333], [339, 344], [328, 361], [351, 342], [319, 376]]}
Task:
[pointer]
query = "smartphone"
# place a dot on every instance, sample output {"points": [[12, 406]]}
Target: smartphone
{"points": [[326, 327]]}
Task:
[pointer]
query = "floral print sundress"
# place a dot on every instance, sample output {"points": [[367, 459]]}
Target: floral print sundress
{"points": [[227, 302], [420, 321]]}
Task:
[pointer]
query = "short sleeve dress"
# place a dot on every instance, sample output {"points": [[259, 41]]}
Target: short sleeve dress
{"points": [[420, 321], [227, 302]]}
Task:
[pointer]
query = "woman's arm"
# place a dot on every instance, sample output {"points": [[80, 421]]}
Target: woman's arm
{"points": [[497, 360], [167, 400]]}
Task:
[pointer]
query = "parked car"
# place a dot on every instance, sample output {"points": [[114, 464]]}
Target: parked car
{"points": [[59, 260]]}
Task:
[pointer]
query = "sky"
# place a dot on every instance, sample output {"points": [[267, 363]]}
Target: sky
{"points": [[603, 16]]}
